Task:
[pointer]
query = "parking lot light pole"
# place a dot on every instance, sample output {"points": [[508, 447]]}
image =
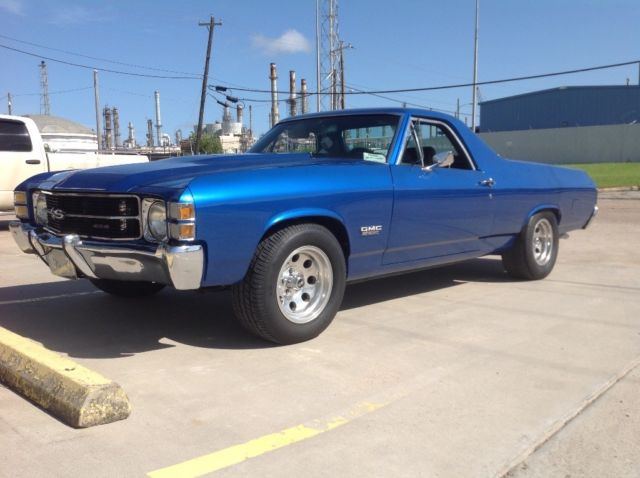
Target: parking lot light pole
{"points": [[475, 71]]}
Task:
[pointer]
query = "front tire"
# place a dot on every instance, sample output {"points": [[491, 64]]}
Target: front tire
{"points": [[535, 250], [294, 286], [127, 289]]}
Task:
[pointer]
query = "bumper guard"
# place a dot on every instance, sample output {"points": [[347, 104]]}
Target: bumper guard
{"points": [[71, 257]]}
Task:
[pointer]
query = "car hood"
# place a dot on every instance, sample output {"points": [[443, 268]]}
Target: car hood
{"points": [[167, 174]]}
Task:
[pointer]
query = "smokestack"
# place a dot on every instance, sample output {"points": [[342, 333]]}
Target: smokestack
{"points": [[303, 96], [292, 93], [107, 127], [239, 111], [158, 119], [131, 140], [150, 133], [275, 113], [116, 128]]}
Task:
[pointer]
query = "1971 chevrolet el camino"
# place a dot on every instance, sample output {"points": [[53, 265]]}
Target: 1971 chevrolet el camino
{"points": [[320, 200]]}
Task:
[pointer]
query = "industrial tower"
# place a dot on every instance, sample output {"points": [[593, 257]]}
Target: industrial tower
{"points": [[329, 55], [45, 108]]}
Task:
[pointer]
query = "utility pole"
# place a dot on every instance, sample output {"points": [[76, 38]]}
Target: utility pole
{"points": [[96, 94], [458, 108], [639, 73], [9, 105], [342, 90], [475, 70], [318, 82], [210, 25], [250, 123]]}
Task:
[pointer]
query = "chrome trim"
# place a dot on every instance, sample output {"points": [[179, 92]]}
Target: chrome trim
{"points": [[21, 236], [456, 137], [91, 194], [144, 215], [88, 216], [593, 215], [181, 266], [70, 244]]}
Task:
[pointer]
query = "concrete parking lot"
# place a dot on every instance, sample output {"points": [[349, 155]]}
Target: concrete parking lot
{"points": [[452, 372]]}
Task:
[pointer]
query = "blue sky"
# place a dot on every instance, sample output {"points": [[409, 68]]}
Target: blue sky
{"points": [[406, 43]]}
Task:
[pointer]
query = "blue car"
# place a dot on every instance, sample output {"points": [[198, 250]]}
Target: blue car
{"points": [[320, 200]]}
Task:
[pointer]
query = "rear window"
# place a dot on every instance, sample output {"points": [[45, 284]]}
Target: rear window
{"points": [[14, 136]]}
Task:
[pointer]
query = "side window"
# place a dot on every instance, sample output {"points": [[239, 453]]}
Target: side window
{"points": [[14, 136], [371, 143], [286, 143], [434, 138]]}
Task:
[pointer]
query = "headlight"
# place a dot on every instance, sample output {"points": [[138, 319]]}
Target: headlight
{"points": [[157, 221], [40, 208]]}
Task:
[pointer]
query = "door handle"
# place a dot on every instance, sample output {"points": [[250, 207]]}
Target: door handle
{"points": [[32, 161], [487, 182]]}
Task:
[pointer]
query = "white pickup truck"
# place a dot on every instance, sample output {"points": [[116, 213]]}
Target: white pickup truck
{"points": [[23, 154]]}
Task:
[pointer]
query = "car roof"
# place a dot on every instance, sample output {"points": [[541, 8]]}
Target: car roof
{"points": [[368, 111]]}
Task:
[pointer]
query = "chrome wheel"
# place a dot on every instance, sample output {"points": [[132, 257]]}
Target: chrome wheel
{"points": [[304, 284], [542, 242]]}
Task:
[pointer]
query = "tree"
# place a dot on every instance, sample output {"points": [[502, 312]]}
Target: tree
{"points": [[209, 143]]}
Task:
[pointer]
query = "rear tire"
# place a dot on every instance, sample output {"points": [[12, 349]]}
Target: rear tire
{"points": [[126, 288], [535, 250], [294, 286]]}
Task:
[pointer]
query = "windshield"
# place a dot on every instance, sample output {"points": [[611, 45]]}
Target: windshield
{"points": [[366, 137]]}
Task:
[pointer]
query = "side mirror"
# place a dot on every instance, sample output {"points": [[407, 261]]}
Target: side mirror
{"points": [[441, 160]]}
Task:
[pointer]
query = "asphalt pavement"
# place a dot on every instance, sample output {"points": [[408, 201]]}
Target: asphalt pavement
{"points": [[451, 372]]}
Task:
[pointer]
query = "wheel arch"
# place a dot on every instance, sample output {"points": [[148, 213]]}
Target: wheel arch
{"points": [[553, 208], [329, 219]]}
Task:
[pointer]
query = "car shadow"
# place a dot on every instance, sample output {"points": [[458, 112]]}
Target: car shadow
{"points": [[72, 317]]}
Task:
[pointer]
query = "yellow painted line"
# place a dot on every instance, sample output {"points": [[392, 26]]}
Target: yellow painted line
{"points": [[238, 453], [49, 297]]}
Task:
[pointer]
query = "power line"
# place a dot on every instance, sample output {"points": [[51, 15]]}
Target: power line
{"points": [[55, 92], [115, 62], [465, 85], [107, 70]]}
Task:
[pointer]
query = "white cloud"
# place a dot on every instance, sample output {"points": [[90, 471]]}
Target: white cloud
{"points": [[12, 6], [291, 41], [73, 15]]}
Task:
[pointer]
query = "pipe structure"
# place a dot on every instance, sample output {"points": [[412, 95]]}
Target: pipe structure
{"points": [[303, 97], [292, 93], [275, 113], [116, 128], [107, 127], [239, 113], [131, 140], [150, 133], [158, 118]]}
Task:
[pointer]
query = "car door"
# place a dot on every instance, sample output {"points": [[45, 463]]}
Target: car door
{"points": [[19, 158], [439, 213]]}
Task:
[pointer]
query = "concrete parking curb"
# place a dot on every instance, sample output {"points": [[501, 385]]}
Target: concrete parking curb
{"points": [[72, 393]]}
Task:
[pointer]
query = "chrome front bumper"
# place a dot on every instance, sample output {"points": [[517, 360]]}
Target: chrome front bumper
{"points": [[71, 257]]}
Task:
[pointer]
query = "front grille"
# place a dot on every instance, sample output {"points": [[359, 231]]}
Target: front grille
{"points": [[94, 216]]}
